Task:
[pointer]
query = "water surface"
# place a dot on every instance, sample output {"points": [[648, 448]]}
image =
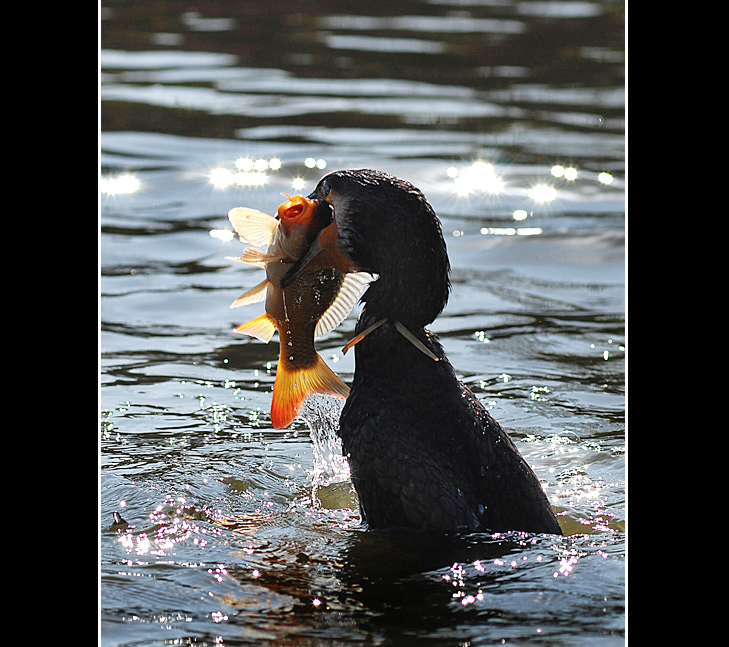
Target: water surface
{"points": [[510, 117]]}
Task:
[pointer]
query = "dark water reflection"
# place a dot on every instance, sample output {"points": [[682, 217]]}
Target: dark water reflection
{"points": [[233, 533], [498, 72]]}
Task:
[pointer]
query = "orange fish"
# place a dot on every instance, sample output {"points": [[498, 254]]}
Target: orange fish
{"points": [[313, 304]]}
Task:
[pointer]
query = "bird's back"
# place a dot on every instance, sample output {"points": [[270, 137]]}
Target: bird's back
{"points": [[425, 454]]}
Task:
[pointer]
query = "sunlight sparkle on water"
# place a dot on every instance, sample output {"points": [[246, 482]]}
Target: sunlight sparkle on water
{"points": [[605, 178], [244, 164], [222, 178], [542, 193], [511, 231], [226, 235], [256, 178], [480, 176], [248, 172], [568, 173], [310, 162], [260, 165], [120, 184]]}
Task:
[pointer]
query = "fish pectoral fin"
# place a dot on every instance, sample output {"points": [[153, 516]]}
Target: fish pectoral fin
{"points": [[257, 257], [350, 290], [237, 259], [261, 328], [240, 259], [254, 295], [293, 386], [255, 227]]}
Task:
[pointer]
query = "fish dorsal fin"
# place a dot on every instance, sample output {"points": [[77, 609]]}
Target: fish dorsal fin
{"points": [[254, 227], [254, 295], [350, 290]]}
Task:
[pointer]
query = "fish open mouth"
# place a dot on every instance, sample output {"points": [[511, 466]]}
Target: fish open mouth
{"points": [[297, 208], [300, 214]]}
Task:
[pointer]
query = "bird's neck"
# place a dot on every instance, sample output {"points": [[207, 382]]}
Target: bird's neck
{"points": [[383, 342], [415, 305]]}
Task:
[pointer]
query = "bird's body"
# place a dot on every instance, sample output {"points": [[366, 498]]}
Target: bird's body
{"points": [[424, 454]]}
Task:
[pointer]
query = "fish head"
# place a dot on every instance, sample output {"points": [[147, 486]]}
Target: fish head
{"points": [[326, 247], [300, 220]]}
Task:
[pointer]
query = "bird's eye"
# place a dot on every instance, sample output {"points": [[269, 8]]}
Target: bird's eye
{"points": [[324, 189]]}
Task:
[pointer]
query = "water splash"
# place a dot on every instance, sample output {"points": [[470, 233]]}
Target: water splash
{"points": [[331, 485]]}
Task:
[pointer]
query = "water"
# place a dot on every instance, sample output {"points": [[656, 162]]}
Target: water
{"points": [[228, 532]]}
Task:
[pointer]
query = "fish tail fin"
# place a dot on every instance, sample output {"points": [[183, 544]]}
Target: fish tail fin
{"points": [[261, 327], [294, 385]]}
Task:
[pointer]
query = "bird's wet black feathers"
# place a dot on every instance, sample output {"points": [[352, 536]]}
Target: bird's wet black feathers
{"points": [[424, 453]]}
